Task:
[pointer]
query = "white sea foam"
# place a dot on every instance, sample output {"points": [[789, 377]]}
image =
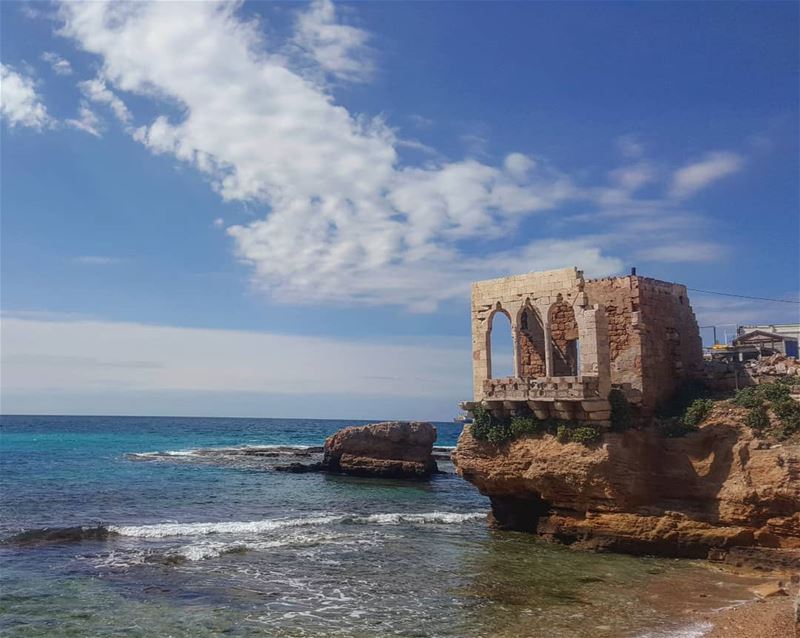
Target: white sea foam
{"points": [[396, 518], [211, 451], [162, 530], [239, 528], [695, 630]]}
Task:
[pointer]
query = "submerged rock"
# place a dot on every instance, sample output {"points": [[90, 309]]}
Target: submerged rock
{"points": [[300, 468], [60, 535], [393, 449], [637, 492]]}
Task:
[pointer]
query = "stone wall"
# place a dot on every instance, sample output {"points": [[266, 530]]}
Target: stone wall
{"points": [[620, 298], [531, 345], [654, 340], [672, 351], [563, 333]]}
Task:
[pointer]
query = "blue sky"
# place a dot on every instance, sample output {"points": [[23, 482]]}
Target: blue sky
{"points": [[342, 172]]}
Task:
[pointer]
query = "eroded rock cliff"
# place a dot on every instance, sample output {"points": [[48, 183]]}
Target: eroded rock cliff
{"points": [[637, 492]]}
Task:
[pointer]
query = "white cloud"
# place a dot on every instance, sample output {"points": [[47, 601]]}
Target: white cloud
{"points": [[96, 91], [96, 260], [519, 166], [219, 222], [697, 175], [75, 357], [20, 104], [57, 63], [632, 177], [338, 49], [731, 311], [86, 121], [683, 251], [630, 146], [345, 221]]}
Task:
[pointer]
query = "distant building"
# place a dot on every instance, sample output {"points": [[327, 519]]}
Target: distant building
{"points": [[769, 339]]}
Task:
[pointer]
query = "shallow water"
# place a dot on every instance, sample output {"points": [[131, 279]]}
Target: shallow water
{"points": [[192, 533]]}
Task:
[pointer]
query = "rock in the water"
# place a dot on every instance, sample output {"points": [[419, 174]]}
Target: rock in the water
{"points": [[394, 449], [300, 468]]}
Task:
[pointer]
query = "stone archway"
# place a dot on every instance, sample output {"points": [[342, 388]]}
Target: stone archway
{"points": [[500, 345]]}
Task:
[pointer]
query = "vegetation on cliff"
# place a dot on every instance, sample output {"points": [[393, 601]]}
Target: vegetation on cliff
{"points": [[487, 427], [770, 408]]}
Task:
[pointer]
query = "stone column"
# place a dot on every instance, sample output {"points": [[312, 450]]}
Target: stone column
{"points": [[480, 354], [548, 347], [595, 351]]}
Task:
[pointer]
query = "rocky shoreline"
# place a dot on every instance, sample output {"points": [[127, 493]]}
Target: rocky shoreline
{"points": [[706, 495]]}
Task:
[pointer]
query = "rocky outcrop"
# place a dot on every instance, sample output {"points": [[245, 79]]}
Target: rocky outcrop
{"points": [[638, 492], [394, 449]]}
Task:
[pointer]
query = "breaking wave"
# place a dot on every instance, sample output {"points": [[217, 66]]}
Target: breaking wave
{"points": [[163, 530], [230, 451]]}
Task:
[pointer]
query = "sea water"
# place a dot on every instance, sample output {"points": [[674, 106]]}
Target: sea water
{"points": [[182, 527]]}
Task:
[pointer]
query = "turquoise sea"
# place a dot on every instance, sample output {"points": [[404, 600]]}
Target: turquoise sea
{"points": [[185, 529]]}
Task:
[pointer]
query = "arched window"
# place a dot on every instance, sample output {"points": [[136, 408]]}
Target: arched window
{"points": [[501, 345], [531, 344], [564, 339]]}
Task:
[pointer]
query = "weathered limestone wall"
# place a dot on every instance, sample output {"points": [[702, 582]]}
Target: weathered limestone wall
{"points": [[563, 332], [620, 298], [672, 351], [653, 335], [531, 346]]}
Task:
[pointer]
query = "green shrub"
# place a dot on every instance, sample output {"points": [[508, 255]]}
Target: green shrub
{"points": [[774, 392], [562, 433], [621, 415], [697, 412], [788, 413], [585, 434], [485, 427], [753, 395], [674, 427], [684, 396], [757, 417], [481, 422], [525, 426], [498, 432], [748, 397]]}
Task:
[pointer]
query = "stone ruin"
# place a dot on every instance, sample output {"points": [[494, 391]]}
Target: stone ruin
{"points": [[575, 339]]}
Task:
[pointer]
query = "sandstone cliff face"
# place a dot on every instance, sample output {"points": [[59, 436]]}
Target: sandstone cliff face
{"points": [[395, 449], [638, 492]]}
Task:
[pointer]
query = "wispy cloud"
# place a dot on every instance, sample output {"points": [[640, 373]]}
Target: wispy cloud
{"points": [[345, 218], [57, 63], [97, 91], [97, 260], [630, 146], [86, 121], [697, 175], [339, 49], [75, 357], [683, 251], [20, 103], [732, 311]]}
